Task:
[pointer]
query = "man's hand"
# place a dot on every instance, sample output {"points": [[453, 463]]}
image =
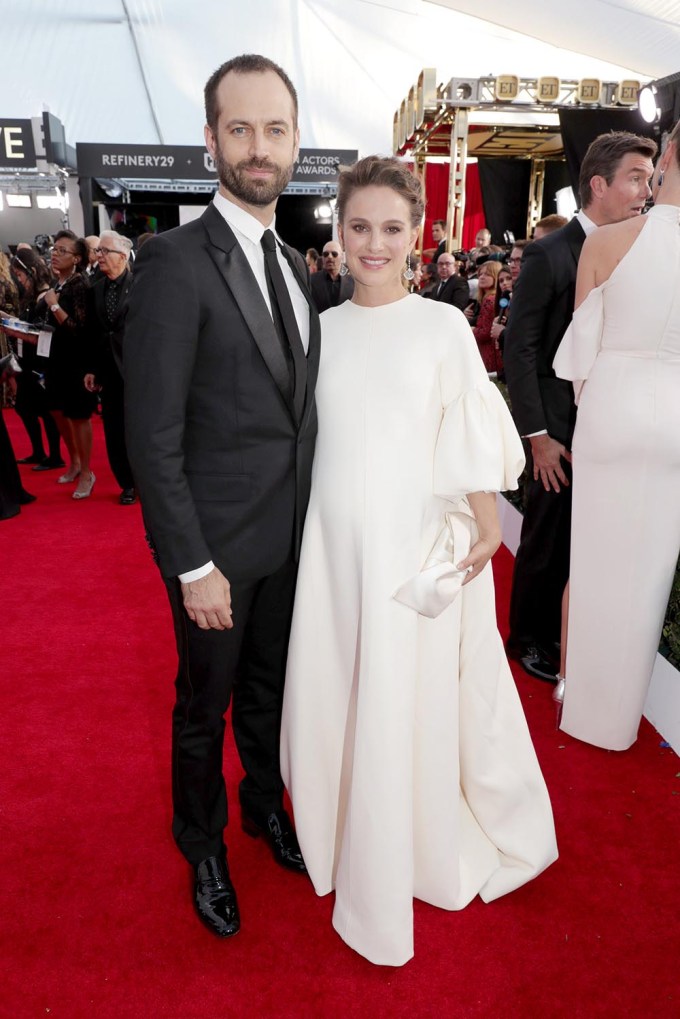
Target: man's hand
{"points": [[208, 601], [547, 454], [90, 383], [497, 331]]}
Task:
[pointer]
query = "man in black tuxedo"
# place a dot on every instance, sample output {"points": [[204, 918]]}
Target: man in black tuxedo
{"points": [[105, 319], [613, 186], [452, 288], [221, 354], [330, 287]]}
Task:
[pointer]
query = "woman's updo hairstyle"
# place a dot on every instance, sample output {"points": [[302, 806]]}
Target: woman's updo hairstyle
{"points": [[381, 172]]}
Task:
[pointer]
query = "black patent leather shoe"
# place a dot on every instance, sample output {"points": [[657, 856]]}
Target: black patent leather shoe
{"points": [[215, 898], [128, 497], [278, 832], [538, 664]]}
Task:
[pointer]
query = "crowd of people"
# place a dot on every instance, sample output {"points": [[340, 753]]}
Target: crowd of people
{"points": [[67, 344], [320, 498]]}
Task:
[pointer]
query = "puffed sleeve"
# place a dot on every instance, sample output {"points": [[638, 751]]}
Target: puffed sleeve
{"points": [[581, 343], [478, 448]]}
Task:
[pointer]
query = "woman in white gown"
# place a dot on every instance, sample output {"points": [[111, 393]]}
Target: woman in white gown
{"points": [[625, 537], [404, 746]]}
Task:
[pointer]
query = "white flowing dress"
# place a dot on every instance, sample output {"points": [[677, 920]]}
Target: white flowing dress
{"points": [[404, 746], [625, 533]]}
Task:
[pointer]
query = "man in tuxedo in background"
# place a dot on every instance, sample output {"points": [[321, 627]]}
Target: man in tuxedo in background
{"points": [[221, 354], [452, 288], [613, 185], [105, 320]]}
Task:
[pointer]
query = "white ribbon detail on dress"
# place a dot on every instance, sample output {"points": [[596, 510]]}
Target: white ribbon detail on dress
{"points": [[438, 583]]}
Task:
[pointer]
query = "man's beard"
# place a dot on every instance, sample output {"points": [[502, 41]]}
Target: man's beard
{"points": [[249, 190]]}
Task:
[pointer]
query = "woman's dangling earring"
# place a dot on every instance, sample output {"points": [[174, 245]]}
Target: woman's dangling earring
{"points": [[408, 272], [343, 271], [659, 181]]}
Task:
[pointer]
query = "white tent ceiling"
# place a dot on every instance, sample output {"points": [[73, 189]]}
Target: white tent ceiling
{"points": [[132, 71]]}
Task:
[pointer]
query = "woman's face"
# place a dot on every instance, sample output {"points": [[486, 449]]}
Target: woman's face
{"points": [[417, 275], [505, 279], [64, 257], [486, 280], [377, 236]]}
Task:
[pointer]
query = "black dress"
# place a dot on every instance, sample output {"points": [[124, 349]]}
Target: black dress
{"points": [[67, 364]]}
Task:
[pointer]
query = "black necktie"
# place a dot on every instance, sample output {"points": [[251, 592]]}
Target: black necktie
{"points": [[285, 321]]}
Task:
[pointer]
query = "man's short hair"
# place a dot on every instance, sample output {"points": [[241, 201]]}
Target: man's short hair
{"points": [[604, 156], [552, 222], [439, 222], [247, 63]]}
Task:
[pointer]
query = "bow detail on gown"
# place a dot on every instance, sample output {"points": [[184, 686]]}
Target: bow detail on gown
{"points": [[438, 582]]}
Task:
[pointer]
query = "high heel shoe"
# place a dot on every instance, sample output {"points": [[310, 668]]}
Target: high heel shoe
{"points": [[558, 698], [84, 489], [72, 474]]}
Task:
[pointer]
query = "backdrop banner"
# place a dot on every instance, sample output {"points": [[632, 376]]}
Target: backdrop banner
{"points": [[192, 162]]}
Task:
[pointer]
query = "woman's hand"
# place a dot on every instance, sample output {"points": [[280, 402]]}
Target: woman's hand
{"points": [[479, 555], [50, 297], [483, 505]]}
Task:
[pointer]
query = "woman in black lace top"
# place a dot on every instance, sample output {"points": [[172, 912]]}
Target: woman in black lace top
{"points": [[64, 307]]}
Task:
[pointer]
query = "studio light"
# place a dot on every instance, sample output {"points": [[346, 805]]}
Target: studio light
{"points": [[565, 202], [659, 102], [323, 213]]}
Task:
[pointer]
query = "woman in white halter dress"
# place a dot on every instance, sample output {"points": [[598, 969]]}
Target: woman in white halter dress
{"points": [[622, 352], [404, 746]]}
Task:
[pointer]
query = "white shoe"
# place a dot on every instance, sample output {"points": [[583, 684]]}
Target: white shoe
{"points": [[68, 477], [84, 489]]}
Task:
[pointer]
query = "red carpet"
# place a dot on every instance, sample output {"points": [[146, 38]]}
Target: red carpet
{"points": [[96, 912]]}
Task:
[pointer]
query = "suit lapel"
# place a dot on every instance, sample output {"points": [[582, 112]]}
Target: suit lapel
{"points": [[314, 349], [233, 266], [575, 235]]}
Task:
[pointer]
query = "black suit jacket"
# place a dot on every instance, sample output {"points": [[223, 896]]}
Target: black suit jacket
{"points": [[320, 290], [105, 346], [222, 466], [456, 291], [541, 309]]}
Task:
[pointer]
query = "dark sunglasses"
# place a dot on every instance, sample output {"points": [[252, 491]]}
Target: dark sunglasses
{"points": [[331, 254]]}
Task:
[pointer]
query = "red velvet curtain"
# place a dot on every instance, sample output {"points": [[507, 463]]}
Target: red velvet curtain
{"points": [[437, 190]]}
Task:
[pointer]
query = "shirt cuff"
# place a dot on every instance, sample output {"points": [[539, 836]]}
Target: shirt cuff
{"points": [[202, 571], [530, 435]]}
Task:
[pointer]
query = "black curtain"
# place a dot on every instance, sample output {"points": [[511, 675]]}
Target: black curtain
{"points": [[505, 196], [580, 127]]}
